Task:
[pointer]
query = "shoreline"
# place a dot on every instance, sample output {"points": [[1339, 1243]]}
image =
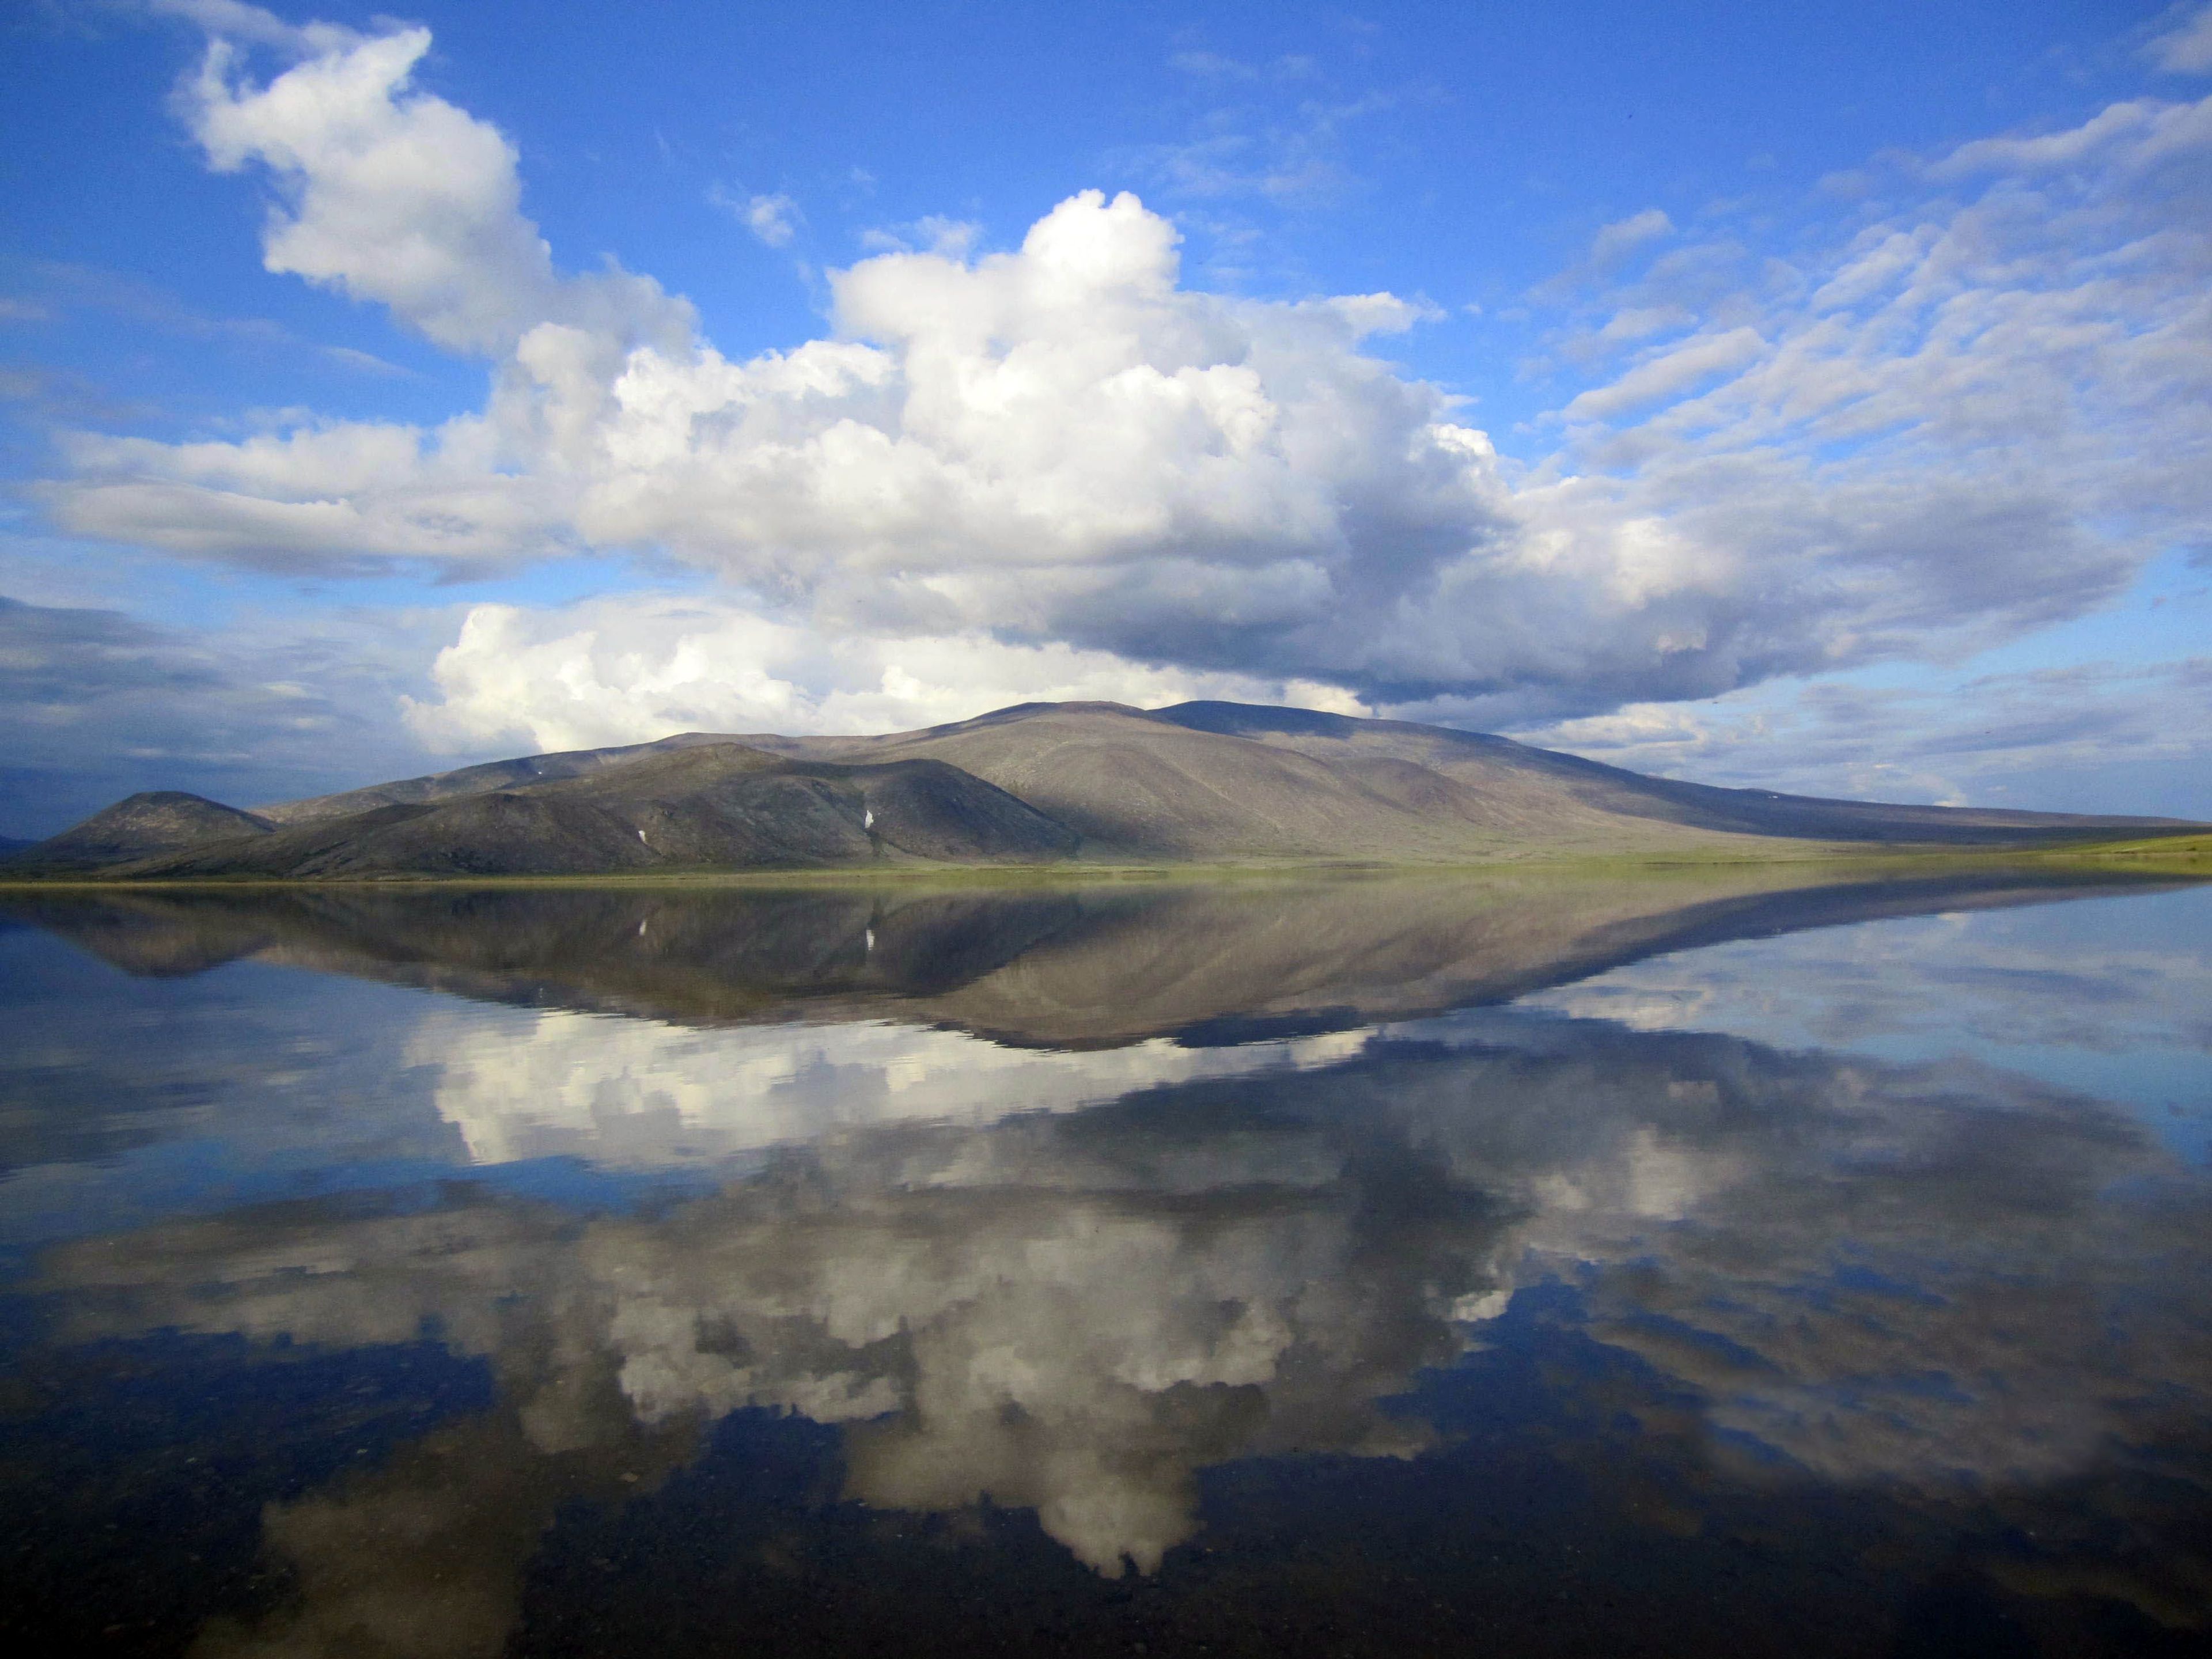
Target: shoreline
{"points": [[2184, 855]]}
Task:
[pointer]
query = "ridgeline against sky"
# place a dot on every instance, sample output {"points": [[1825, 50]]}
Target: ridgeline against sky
{"points": [[1820, 403]]}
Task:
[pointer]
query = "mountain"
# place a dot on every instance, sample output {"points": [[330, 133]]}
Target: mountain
{"points": [[1040, 782], [137, 827], [714, 805], [1475, 759]]}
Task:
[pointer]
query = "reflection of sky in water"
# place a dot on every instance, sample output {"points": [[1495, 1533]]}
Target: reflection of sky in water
{"points": [[136, 1097], [2106, 995], [1824, 1220], [130, 1098]]}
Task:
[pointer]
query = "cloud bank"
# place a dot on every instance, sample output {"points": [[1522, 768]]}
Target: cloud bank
{"points": [[95, 704], [1978, 409]]}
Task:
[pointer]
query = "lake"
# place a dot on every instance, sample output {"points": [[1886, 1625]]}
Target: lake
{"points": [[1765, 1262]]}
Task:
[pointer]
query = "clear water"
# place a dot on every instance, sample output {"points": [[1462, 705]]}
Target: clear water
{"points": [[1670, 1266]]}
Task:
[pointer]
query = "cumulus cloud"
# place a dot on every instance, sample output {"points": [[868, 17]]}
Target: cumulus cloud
{"points": [[389, 193], [1977, 412], [629, 669]]}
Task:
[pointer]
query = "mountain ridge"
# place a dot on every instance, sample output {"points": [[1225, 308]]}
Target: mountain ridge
{"points": [[1034, 782]]}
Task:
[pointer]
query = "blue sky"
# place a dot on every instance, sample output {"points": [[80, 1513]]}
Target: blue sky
{"points": [[1809, 397]]}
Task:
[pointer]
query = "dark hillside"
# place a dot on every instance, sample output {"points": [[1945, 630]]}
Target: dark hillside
{"points": [[706, 806], [158, 821]]}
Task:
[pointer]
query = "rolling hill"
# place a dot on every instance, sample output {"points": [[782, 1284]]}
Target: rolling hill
{"points": [[1102, 782]]}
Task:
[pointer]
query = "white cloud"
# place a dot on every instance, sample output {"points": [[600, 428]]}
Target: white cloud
{"points": [[1616, 240], [955, 239], [1291, 154], [773, 219], [1210, 65], [390, 194], [235, 20], [631, 669], [2186, 49], [1670, 373], [1995, 405]]}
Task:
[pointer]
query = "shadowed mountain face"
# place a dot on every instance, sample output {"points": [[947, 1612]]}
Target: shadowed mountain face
{"points": [[704, 806], [1198, 783], [142, 826]]}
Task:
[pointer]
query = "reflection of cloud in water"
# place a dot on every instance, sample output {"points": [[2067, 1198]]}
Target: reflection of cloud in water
{"points": [[1918, 1274], [638, 1093], [1909, 1274]]}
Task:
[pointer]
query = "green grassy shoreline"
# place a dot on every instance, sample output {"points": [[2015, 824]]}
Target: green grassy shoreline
{"points": [[2179, 854], [2184, 855]]}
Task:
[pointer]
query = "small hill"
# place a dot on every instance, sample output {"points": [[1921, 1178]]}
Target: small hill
{"points": [[142, 825], [707, 807]]}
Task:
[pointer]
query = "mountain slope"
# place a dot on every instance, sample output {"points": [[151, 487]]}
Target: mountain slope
{"points": [[1471, 756], [1134, 783], [1233, 779], [705, 806], [138, 826]]}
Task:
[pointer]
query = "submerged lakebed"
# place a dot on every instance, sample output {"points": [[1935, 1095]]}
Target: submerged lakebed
{"points": [[1740, 1261]]}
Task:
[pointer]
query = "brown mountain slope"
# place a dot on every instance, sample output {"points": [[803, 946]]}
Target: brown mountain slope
{"points": [[138, 826], [1138, 784], [1232, 780], [1216, 780], [1477, 758], [707, 807]]}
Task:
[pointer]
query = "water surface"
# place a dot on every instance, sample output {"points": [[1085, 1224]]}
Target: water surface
{"points": [[1705, 1265]]}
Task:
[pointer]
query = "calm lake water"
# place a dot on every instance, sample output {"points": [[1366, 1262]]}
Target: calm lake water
{"points": [[1677, 1266]]}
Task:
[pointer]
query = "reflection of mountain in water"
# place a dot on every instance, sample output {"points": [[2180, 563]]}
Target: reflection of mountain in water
{"points": [[1060, 966], [1928, 1278]]}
